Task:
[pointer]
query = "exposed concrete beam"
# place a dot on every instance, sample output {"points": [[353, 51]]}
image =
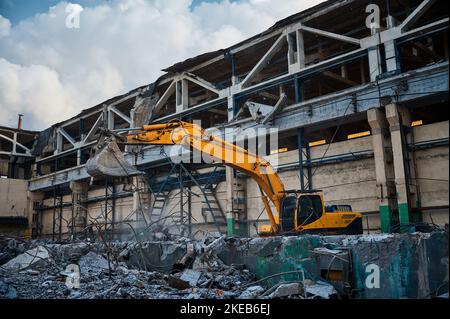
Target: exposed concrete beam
{"points": [[281, 102], [167, 94], [67, 136], [117, 112], [94, 128], [265, 59], [202, 82], [331, 35], [45, 159], [15, 154], [416, 15], [14, 142]]}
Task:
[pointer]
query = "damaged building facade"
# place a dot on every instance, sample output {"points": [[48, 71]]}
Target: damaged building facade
{"points": [[360, 108]]}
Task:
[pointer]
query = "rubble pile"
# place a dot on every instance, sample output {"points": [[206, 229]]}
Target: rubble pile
{"points": [[185, 269], [177, 269]]}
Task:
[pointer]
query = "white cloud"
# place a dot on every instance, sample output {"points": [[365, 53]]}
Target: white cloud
{"points": [[5, 26], [50, 72]]}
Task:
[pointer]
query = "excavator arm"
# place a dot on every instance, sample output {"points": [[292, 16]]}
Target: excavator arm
{"points": [[193, 137]]}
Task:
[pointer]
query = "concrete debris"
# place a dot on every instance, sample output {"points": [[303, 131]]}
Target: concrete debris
{"points": [[7, 291], [221, 268], [178, 283], [251, 292], [319, 289], [286, 290], [29, 258], [141, 270], [191, 276], [93, 264]]}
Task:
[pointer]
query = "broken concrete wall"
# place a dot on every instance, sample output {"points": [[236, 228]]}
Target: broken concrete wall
{"points": [[433, 171], [411, 265], [14, 208], [13, 197]]}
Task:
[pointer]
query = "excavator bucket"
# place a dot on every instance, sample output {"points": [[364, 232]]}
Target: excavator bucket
{"points": [[108, 161]]}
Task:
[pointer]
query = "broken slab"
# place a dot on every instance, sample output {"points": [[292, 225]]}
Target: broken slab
{"points": [[251, 292], [319, 289], [93, 264], [191, 276], [286, 290], [29, 258]]}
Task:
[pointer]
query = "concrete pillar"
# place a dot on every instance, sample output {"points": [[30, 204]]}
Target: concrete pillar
{"points": [[79, 208], [182, 95], [33, 214], [383, 166], [391, 56], [141, 198], [399, 119], [236, 205], [375, 63], [230, 105]]}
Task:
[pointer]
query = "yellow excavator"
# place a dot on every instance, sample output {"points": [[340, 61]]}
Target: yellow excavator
{"points": [[296, 211]]}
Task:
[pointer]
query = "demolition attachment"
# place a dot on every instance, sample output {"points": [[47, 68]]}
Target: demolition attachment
{"points": [[107, 160]]}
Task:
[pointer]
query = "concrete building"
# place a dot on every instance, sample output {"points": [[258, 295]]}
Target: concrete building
{"points": [[360, 106]]}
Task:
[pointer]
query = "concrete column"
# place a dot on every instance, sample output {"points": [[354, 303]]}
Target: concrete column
{"points": [[383, 166], [80, 213], [230, 105], [375, 63], [236, 204], [399, 118], [182, 95], [392, 59], [141, 198], [33, 215], [230, 216]]}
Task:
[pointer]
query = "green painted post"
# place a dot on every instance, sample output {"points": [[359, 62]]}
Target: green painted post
{"points": [[230, 226], [385, 218], [404, 216]]}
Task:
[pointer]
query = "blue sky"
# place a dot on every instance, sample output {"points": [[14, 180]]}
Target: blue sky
{"points": [[17, 10]]}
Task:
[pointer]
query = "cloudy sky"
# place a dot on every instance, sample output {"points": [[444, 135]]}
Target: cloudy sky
{"points": [[50, 72]]}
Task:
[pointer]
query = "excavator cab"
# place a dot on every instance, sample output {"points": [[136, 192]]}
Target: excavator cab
{"points": [[305, 212], [300, 210]]}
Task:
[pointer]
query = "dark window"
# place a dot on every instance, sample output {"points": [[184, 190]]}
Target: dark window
{"points": [[288, 214], [309, 209]]}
